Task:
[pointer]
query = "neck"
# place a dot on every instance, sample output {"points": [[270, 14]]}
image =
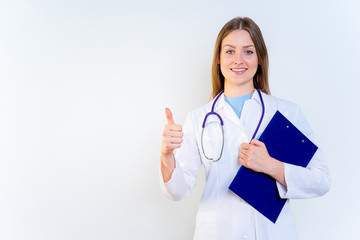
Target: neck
{"points": [[238, 91]]}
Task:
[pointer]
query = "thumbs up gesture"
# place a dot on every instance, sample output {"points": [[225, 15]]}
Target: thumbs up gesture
{"points": [[172, 135]]}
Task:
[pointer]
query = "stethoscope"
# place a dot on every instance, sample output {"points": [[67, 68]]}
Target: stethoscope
{"points": [[221, 125]]}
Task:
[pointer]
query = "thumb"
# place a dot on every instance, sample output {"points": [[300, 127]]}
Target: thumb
{"points": [[169, 116]]}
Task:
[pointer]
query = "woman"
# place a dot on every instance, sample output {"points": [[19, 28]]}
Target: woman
{"points": [[240, 66]]}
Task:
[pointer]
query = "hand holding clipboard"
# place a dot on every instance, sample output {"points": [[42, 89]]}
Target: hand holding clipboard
{"points": [[285, 143]]}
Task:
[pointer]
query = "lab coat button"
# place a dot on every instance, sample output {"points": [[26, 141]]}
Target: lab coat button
{"points": [[245, 237]]}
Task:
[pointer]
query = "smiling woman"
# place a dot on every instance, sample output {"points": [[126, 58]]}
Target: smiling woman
{"points": [[241, 36], [240, 68], [238, 62]]}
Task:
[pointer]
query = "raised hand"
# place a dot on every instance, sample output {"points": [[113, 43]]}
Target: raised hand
{"points": [[172, 139], [172, 135]]}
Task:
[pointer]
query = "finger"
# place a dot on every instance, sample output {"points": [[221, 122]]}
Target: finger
{"points": [[242, 162], [243, 152], [169, 116], [172, 139], [171, 133], [257, 143], [173, 127], [245, 146], [242, 155], [173, 145]]}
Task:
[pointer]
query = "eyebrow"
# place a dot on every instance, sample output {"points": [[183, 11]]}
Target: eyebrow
{"points": [[247, 46]]}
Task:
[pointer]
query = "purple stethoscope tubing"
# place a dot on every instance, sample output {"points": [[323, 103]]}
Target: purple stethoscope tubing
{"points": [[262, 115], [212, 111], [222, 122]]}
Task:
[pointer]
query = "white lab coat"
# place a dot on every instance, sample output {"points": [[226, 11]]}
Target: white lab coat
{"points": [[222, 214]]}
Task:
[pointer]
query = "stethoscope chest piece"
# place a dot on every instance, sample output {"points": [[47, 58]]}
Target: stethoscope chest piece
{"points": [[212, 137]]}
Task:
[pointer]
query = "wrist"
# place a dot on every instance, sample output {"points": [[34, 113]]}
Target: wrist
{"points": [[167, 166], [273, 166], [168, 160], [166, 155], [166, 152], [276, 171]]}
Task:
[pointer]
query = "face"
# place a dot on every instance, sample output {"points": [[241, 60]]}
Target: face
{"points": [[238, 59]]}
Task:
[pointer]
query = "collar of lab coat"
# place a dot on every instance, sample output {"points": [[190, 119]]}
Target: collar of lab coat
{"points": [[226, 110], [221, 101]]}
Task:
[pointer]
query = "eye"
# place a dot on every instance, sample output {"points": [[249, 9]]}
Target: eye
{"points": [[248, 52], [230, 51]]}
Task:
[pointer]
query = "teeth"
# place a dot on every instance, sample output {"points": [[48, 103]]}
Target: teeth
{"points": [[239, 70]]}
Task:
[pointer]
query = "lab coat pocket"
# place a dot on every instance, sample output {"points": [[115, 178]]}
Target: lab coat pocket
{"points": [[206, 227]]}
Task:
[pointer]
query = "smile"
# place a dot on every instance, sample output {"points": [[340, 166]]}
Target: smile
{"points": [[238, 69]]}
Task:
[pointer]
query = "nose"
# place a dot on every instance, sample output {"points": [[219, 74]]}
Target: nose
{"points": [[238, 58]]}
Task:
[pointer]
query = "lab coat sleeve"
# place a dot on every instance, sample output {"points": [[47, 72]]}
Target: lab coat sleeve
{"points": [[309, 182], [188, 163]]}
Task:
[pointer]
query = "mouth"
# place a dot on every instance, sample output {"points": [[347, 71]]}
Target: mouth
{"points": [[238, 69]]}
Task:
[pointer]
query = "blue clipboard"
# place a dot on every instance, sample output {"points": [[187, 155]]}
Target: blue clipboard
{"points": [[285, 143]]}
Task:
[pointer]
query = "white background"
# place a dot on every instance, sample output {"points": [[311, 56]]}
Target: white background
{"points": [[84, 84]]}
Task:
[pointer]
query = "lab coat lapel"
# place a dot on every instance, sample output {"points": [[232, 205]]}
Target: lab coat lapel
{"points": [[227, 111], [250, 114]]}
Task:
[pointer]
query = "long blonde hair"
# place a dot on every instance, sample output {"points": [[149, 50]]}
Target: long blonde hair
{"points": [[261, 76]]}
